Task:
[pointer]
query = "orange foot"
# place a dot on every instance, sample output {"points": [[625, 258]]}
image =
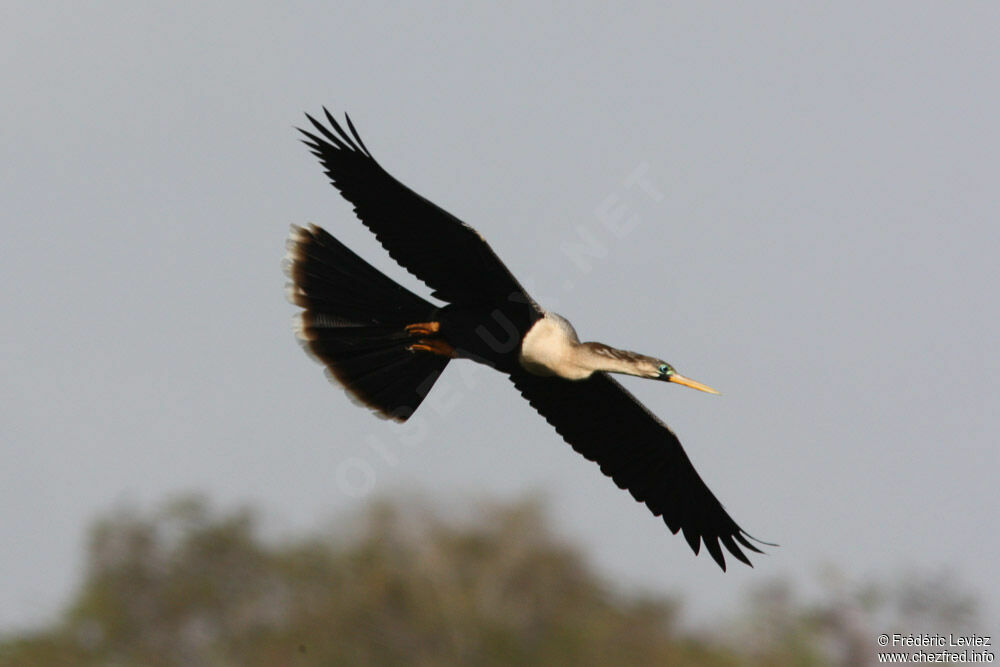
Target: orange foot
{"points": [[433, 345], [423, 328]]}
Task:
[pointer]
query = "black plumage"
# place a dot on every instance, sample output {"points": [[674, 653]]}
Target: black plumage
{"points": [[387, 345]]}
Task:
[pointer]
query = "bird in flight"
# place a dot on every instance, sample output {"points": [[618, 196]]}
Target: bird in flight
{"points": [[387, 346]]}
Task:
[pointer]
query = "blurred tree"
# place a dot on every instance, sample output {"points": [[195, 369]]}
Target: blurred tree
{"points": [[189, 586], [841, 627]]}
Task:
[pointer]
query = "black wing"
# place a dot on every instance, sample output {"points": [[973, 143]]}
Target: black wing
{"points": [[435, 246], [606, 424]]}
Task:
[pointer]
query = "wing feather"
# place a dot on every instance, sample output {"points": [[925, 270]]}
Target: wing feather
{"points": [[606, 424], [451, 257]]}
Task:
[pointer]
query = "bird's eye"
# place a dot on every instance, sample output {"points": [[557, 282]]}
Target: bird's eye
{"points": [[665, 369]]}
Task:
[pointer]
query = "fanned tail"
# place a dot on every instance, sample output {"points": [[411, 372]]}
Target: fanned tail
{"points": [[354, 322]]}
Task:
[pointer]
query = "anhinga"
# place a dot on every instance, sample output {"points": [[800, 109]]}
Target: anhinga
{"points": [[387, 346]]}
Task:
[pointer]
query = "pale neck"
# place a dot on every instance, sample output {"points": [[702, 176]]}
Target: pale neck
{"points": [[596, 357]]}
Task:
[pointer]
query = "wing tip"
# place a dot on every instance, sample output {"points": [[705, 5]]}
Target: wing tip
{"points": [[740, 537], [732, 543], [330, 142]]}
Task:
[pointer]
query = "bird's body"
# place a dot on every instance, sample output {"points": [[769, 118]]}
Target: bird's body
{"points": [[491, 333], [387, 346], [551, 347]]}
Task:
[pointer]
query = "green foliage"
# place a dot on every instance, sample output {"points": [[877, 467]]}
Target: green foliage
{"points": [[185, 586], [189, 586]]}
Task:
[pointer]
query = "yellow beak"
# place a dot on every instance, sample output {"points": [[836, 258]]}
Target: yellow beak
{"points": [[687, 382]]}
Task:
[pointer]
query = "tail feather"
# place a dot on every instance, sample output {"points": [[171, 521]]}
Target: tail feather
{"points": [[353, 323]]}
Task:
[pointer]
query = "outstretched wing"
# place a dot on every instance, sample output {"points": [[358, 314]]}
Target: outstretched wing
{"points": [[435, 246], [606, 424]]}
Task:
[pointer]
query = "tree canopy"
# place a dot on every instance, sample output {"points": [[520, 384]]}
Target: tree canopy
{"points": [[186, 585]]}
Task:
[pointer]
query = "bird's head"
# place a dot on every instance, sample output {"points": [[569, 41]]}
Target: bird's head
{"points": [[666, 372]]}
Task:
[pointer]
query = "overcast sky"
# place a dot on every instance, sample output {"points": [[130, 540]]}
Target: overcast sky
{"points": [[804, 214]]}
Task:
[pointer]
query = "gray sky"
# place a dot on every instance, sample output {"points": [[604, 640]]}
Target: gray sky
{"points": [[824, 252]]}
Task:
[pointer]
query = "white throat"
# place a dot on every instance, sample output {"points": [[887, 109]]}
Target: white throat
{"points": [[550, 348]]}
